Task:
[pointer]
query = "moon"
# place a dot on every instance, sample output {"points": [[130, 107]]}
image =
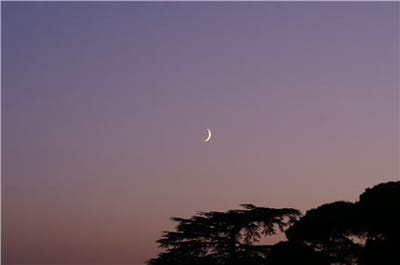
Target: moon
{"points": [[208, 136]]}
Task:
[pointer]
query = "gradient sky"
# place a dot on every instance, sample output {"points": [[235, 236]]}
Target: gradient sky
{"points": [[105, 105]]}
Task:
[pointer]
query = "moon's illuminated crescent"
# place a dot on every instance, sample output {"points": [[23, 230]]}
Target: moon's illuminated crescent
{"points": [[209, 136]]}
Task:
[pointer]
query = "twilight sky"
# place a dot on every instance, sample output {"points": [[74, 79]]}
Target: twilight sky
{"points": [[105, 105]]}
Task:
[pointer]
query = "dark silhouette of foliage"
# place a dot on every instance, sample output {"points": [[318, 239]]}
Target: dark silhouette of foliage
{"points": [[291, 253], [380, 215], [329, 229], [223, 237], [366, 232], [378, 206]]}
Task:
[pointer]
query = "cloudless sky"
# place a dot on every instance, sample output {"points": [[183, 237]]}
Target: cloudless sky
{"points": [[105, 106]]}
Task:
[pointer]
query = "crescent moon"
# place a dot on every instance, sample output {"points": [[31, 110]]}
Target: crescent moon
{"points": [[209, 136]]}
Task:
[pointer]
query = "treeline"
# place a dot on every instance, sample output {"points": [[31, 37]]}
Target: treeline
{"points": [[364, 233]]}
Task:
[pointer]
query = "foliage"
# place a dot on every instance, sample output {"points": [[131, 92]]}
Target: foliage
{"points": [[223, 237], [366, 232], [290, 253]]}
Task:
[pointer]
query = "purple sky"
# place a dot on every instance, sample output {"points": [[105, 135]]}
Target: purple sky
{"points": [[105, 107]]}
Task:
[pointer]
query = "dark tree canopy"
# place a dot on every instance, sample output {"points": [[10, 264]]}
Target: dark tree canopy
{"points": [[292, 253], [380, 215], [329, 229], [223, 237], [380, 208], [366, 232]]}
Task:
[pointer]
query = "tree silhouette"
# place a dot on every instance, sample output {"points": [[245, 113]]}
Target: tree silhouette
{"points": [[290, 253], [380, 219], [223, 237], [331, 230], [366, 232]]}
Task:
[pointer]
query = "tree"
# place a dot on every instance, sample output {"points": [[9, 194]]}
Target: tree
{"points": [[290, 253], [365, 232], [330, 230], [380, 214], [210, 238]]}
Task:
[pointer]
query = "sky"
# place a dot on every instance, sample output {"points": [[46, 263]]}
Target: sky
{"points": [[105, 107]]}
